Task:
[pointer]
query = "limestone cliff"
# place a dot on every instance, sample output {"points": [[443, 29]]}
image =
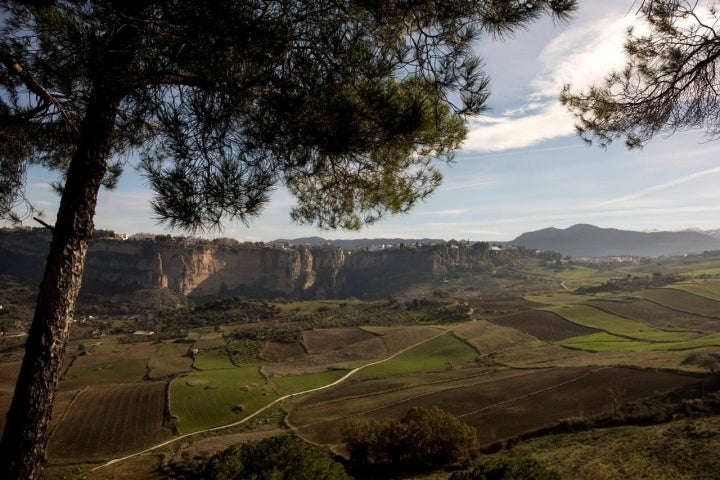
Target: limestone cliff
{"points": [[205, 269]]}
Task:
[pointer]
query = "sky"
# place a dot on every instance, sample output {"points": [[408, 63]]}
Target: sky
{"points": [[521, 168]]}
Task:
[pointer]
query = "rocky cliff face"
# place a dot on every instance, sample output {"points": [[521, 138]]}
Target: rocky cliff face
{"points": [[207, 269]]}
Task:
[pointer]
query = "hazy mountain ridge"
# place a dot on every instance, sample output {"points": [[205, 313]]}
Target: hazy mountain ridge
{"points": [[588, 240]]}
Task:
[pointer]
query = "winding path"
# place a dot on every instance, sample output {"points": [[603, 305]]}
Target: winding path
{"points": [[271, 404]]}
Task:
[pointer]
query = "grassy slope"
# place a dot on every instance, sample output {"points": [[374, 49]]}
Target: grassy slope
{"points": [[680, 450]]}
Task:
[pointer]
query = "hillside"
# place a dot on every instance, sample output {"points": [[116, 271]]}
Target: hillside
{"points": [[590, 241]]}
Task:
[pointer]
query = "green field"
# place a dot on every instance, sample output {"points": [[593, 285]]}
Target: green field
{"points": [[707, 289], [573, 276], [171, 358], [289, 384], [612, 324], [132, 370], [440, 353], [214, 359], [204, 400], [558, 298], [682, 300], [602, 342]]}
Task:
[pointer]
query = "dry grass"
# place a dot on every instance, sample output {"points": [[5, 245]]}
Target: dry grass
{"points": [[680, 450]]}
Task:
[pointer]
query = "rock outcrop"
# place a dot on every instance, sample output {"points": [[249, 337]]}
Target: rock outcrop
{"points": [[205, 269]]}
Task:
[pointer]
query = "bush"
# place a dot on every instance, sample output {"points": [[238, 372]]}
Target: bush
{"points": [[508, 469], [278, 458], [423, 438]]}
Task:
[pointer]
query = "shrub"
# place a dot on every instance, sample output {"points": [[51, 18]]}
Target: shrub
{"points": [[423, 438], [508, 469], [279, 458]]}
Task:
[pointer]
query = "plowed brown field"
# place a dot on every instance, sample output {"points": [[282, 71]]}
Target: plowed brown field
{"points": [[326, 339], [545, 325], [683, 301], [510, 405], [656, 315], [279, 352], [108, 420]]}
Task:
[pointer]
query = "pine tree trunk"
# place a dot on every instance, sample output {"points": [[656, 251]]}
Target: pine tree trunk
{"points": [[22, 449]]}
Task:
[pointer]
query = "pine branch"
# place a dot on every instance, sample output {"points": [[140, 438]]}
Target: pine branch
{"points": [[34, 86]]}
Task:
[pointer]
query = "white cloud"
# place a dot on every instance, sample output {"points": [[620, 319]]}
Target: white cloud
{"points": [[449, 211], [456, 186], [581, 56], [505, 133]]}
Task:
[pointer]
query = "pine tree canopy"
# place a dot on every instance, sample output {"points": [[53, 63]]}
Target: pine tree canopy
{"points": [[351, 104]]}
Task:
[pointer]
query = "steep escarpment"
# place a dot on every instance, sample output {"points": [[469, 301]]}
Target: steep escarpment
{"points": [[202, 269], [369, 274], [189, 267]]}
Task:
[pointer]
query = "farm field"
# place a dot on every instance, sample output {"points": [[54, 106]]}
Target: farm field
{"points": [[326, 339], [543, 324], [523, 360], [203, 400], [525, 402], [108, 420], [575, 276], [279, 351], [703, 288], [625, 327], [604, 342], [108, 361], [170, 358], [655, 315], [683, 301], [507, 346], [440, 353]]}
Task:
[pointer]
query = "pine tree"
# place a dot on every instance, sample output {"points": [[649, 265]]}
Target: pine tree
{"points": [[348, 103]]}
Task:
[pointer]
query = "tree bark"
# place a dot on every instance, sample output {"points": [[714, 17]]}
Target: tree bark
{"points": [[22, 449], [24, 440]]}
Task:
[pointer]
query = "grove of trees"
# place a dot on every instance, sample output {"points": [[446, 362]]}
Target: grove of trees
{"points": [[278, 458], [424, 438]]}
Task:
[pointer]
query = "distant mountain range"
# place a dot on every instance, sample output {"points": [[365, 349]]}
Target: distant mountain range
{"points": [[590, 241], [580, 240]]}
